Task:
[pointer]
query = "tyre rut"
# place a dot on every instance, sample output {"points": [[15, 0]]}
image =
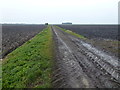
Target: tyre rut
{"points": [[79, 67]]}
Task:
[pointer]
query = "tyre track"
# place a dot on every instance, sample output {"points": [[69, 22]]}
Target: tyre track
{"points": [[79, 67]]}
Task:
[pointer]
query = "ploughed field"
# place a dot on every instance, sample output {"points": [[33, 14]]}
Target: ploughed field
{"points": [[104, 37], [94, 31], [14, 35], [59, 58]]}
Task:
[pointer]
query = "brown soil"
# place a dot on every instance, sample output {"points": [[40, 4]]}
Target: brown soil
{"points": [[80, 65]]}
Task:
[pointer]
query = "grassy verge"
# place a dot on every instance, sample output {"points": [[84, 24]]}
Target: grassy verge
{"points": [[29, 66], [72, 33]]}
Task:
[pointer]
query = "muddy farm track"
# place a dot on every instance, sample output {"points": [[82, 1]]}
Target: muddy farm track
{"points": [[80, 65]]}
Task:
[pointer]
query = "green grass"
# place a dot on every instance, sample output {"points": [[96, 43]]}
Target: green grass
{"points": [[72, 33], [29, 66]]}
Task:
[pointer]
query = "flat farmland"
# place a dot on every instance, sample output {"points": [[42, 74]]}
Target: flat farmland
{"points": [[14, 35], [60, 58], [104, 37], [94, 31]]}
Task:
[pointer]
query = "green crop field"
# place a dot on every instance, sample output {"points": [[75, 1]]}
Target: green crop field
{"points": [[30, 65]]}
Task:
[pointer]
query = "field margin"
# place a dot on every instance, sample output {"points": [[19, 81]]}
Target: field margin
{"points": [[72, 33], [30, 65]]}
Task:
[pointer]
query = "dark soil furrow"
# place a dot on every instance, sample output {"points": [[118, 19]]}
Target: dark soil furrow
{"points": [[81, 67]]}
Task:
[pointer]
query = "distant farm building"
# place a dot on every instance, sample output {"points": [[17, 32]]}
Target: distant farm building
{"points": [[68, 23], [46, 23]]}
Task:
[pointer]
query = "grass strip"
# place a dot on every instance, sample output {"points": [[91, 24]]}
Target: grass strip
{"points": [[29, 66], [72, 33]]}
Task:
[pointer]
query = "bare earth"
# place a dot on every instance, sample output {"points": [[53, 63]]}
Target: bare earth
{"points": [[80, 65]]}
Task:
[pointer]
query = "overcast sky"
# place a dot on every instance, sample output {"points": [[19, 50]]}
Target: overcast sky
{"points": [[58, 11]]}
